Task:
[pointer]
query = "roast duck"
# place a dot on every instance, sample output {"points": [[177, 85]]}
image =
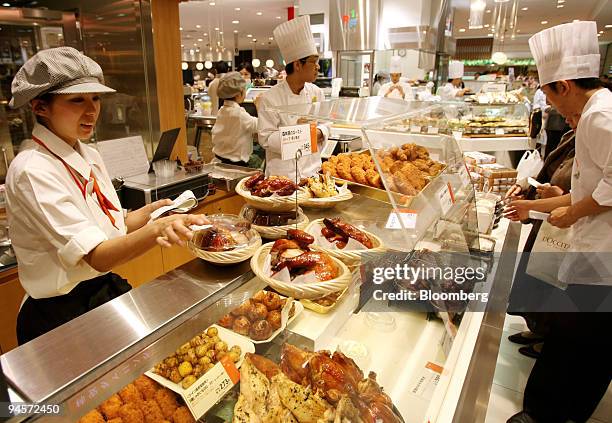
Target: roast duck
{"points": [[338, 231], [222, 237], [310, 387], [294, 254], [259, 186]]}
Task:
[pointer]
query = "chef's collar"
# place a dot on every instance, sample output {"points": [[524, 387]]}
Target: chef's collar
{"points": [[80, 164], [594, 99]]}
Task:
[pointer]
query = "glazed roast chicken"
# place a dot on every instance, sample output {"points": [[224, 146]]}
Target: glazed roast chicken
{"points": [[259, 186], [338, 231], [294, 254], [310, 387]]}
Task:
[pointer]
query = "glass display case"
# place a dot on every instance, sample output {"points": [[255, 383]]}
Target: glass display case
{"points": [[369, 353]]}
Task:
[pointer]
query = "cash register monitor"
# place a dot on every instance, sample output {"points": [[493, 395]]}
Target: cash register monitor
{"points": [[165, 146]]}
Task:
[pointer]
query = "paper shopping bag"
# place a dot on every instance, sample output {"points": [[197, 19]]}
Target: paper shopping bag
{"points": [[556, 242]]}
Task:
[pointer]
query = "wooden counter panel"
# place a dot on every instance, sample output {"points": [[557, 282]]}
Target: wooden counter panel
{"points": [[11, 295], [142, 269]]}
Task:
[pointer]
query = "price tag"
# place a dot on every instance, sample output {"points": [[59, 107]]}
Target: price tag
{"points": [[298, 137], [432, 130], [446, 198], [465, 176], [212, 387], [328, 148], [499, 131], [425, 380], [408, 219], [458, 135], [415, 128]]}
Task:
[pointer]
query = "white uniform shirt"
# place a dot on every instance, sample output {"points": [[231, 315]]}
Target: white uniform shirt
{"points": [[269, 135], [448, 91], [51, 225], [408, 92], [232, 135], [212, 93], [592, 176]]}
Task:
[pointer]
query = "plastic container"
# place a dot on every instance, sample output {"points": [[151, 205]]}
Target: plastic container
{"points": [[164, 168]]}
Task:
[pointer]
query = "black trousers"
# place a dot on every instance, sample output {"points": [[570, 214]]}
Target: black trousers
{"points": [[39, 316], [228, 161]]}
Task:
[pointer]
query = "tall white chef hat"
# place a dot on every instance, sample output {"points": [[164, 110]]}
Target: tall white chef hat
{"points": [[396, 66], [295, 40], [568, 51], [455, 69]]}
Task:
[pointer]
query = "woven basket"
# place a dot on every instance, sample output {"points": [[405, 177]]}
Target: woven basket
{"points": [[300, 291], [327, 202], [229, 257], [277, 232], [273, 203], [349, 257]]}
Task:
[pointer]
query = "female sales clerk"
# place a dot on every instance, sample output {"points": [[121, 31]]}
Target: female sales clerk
{"points": [[66, 223]]}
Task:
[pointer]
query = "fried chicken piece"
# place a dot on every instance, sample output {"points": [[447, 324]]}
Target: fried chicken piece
{"points": [[130, 413], [110, 407], [115, 420], [344, 171], [359, 175], [373, 178], [167, 402], [129, 393], [152, 412], [369, 164], [182, 415], [403, 185], [329, 168], [146, 386], [93, 416], [333, 160], [414, 176]]}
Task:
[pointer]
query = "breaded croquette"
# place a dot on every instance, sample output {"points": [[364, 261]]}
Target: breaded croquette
{"points": [[110, 407], [182, 415], [115, 420], [147, 387], [167, 402], [129, 393], [152, 412], [93, 416], [130, 413]]}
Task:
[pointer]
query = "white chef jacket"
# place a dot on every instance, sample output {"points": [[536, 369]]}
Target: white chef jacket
{"points": [[592, 176], [212, 93], [448, 91], [232, 135], [408, 92], [269, 135], [51, 225]]}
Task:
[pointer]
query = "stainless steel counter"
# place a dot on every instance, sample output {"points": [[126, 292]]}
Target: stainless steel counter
{"points": [[125, 328]]}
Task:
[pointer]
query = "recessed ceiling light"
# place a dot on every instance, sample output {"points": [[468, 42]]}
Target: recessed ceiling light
{"points": [[544, 22], [272, 38], [195, 45], [205, 34], [235, 31], [216, 28], [560, 1], [180, 28], [278, 17], [182, 45], [559, 6], [198, 26], [200, 40], [488, 10], [489, 35], [608, 26], [237, 9], [462, 30], [249, 35], [486, 25], [525, 8], [235, 22], [212, 3], [259, 13], [6, 4], [601, 32], [220, 32]]}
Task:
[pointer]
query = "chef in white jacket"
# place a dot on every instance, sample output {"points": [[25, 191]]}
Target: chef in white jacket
{"points": [[452, 89], [395, 88], [562, 385], [296, 43]]}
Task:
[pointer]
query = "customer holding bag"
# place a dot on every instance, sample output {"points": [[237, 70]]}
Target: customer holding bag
{"points": [[563, 385], [66, 223]]}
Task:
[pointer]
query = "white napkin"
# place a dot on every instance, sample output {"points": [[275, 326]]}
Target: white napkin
{"points": [[182, 204]]}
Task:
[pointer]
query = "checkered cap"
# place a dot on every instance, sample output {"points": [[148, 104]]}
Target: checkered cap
{"points": [[61, 70], [230, 85]]}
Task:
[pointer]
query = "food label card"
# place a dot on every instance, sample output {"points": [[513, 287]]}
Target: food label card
{"points": [[446, 198], [408, 219], [426, 380], [298, 137]]}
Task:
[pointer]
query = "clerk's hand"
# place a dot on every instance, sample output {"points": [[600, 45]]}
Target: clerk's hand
{"points": [[400, 90], [303, 121], [562, 217], [175, 229], [549, 191], [514, 192], [138, 218], [518, 210]]}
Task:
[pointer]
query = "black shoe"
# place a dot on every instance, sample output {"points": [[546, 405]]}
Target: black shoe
{"points": [[521, 417], [530, 350], [522, 339]]}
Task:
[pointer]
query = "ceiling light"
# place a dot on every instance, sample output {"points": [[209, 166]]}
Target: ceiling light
{"points": [[205, 34], [195, 45], [235, 31], [259, 13], [208, 64], [254, 40], [560, 1], [235, 22], [544, 22], [499, 57], [182, 45], [488, 10], [462, 30], [249, 35], [220, 32], [180, 28], [486, 25], [256, 63], [525, 8], [6, 4], [237, 9], [216, 28], [199, 66], [608, 26], [200, 40], [601, 32], [184, 66], [198, 26], [559, 6], [269, 63], [271, 38], [489, 35], [212, 3], [278, 17], [599, 35]]}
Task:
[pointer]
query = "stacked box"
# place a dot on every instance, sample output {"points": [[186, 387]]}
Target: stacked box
{"points": [[476, 158], [493, 177]]}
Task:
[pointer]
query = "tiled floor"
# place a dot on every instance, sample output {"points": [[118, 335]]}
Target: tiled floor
{"points": [[511, 375]]}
